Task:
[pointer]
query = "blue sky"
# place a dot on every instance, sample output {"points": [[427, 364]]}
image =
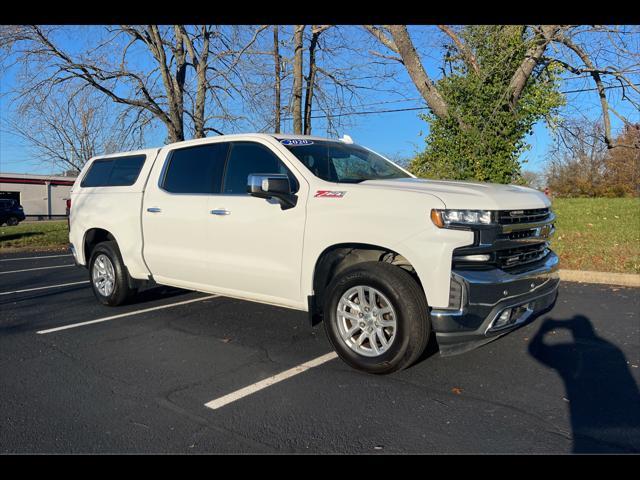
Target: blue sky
{"points": [[398, 134]]}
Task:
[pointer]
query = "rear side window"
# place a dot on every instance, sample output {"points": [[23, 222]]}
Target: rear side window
{"points": [[196, 169], [114, 172], [250, 157]]}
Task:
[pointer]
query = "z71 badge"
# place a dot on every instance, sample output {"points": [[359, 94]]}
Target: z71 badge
{"points": [[329, 194]]}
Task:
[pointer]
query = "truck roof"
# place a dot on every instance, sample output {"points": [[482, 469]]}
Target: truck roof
{"points": [[283, 136], [222, 138], [145, 151]]}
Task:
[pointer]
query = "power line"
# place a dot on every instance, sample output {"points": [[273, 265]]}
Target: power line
{"points": [[605, 88], [394, 110], [370, 112], [415, 99]]}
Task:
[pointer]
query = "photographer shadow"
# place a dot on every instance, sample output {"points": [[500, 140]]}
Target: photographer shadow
{"points": [[604, 401]]}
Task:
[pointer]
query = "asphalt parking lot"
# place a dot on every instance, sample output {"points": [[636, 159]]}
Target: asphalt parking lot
{"points": [[178, 371]]}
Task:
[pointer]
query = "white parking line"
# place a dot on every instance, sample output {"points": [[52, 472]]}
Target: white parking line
{"points": [[267, 382], [43, 288], [33, 258], [128, 314], [39, 268]]}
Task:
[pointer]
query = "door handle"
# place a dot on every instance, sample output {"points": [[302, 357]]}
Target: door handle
{"points": [[220, 211], [154, 210]]}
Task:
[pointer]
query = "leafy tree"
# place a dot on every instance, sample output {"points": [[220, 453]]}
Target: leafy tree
{"points": [[485, 134]]}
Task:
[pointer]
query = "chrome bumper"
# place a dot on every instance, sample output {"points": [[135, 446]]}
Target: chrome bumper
{"points": [[488, 298]]}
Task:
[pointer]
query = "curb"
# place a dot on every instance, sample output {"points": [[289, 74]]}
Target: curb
{"points": [[585, 276]]}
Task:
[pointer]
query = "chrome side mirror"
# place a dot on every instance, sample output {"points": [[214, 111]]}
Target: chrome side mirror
{"points": [[272, 185]]}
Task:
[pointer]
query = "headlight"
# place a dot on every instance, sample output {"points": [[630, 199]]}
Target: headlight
{"points": [[446, 218]]}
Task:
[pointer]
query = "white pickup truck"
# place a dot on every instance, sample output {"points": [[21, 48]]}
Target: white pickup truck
{"points": [[325, 226]]}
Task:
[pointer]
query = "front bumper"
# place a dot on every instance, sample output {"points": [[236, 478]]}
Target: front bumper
{"points": [[486, 296]]}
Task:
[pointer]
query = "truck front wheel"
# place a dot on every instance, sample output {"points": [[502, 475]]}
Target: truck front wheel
{"points": [[376, 317], [109, 277]]}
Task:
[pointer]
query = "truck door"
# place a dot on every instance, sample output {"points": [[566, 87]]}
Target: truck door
{"points": [[256, 247], [175, 214]]}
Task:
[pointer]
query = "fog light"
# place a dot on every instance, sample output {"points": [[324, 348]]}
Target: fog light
{"points": [[473, 258], [503, 319]]}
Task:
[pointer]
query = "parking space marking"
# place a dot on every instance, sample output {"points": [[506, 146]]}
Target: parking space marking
{"points": [[122, 315], [43, 288], [267, 382], [39, 268], [33, 258]]}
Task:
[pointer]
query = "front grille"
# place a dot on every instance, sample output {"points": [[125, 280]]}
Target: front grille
{"points": [[510, 217], [514, 257], [519, 239], [520, 234]]}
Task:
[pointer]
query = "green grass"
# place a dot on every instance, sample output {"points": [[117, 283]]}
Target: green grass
{"points": [[600, 234], [35, 236]]}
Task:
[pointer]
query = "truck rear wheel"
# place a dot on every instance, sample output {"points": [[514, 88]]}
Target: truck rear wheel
{"points": [[376, 317], [109, 277]]}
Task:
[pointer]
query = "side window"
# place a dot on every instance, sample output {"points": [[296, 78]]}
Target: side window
{"points": [[98, 174], [114, 172], [250, 157], [196, 169], [125, 170]]}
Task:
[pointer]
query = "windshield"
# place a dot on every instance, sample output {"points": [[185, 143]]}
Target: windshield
{"points": [[342, 163]]}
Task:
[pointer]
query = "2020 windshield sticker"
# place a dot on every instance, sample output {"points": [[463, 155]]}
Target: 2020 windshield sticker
{"points": [[329, 194], [295, 142]]}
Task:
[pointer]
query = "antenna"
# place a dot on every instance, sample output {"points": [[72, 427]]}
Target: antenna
{"points": [[346, 139]]}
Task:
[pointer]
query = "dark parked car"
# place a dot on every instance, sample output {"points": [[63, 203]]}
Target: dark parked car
{"points": [[11, 212]]}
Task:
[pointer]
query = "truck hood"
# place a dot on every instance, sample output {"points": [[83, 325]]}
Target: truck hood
{"points": [[469, 195]]}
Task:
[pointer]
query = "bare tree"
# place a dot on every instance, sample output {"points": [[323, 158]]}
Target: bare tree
{"points": [[323, 76], [277, 60], [296, 110], [576, 166], [339, 76], [65, 129], [189, 70], [581, 56], [396, 38], [533, 179], [316, 31]]}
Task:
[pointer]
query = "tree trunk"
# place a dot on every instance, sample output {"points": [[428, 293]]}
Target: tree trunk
{"points": [[276, 61], [412, 63], [311, 78], [174, 86], [298, 37], [532, 57], [595, 74], [201, 93]]}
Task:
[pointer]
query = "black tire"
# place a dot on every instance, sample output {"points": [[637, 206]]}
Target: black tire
{"points": [[409, 303], [12, 221], [121, 291]]}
